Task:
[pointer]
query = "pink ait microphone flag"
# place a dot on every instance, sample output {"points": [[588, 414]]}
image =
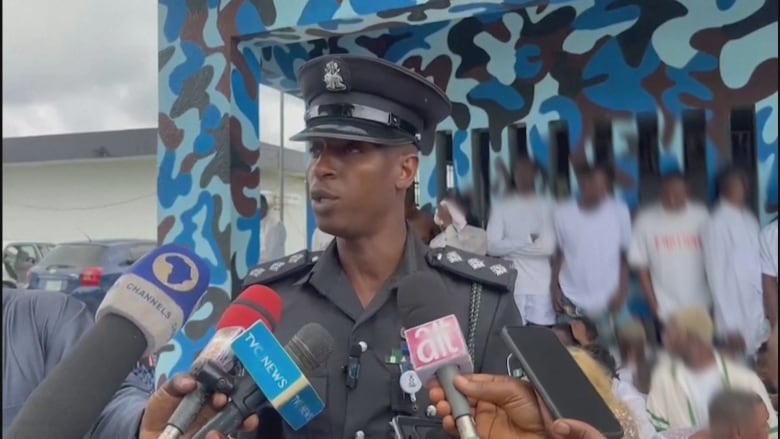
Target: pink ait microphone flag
{"points": [[435, 344]]}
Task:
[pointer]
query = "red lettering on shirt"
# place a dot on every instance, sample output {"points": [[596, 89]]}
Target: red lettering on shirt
{"points": [[672, 243]]}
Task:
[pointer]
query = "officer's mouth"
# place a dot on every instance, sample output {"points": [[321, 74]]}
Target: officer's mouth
{"points": [[322, 198]]}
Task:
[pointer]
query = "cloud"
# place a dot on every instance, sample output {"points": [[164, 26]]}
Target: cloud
{"points": [[91, 65]]}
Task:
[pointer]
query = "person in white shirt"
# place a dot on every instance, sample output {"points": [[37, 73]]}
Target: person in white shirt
{"points": [[520, 229], [455, 230], [683, 387], [732, 255], [769, 270], [320, 240], [666, 251], [590, 271], [272, 232]]}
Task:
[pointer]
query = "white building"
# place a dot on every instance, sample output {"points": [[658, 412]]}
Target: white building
{"points": [[103, 185]]}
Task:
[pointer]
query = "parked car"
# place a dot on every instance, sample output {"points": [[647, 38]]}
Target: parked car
{"points": [[18, 258], [87, 269]]}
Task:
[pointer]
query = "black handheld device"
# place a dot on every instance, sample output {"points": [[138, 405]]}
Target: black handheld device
{"points": [[558, 379]]}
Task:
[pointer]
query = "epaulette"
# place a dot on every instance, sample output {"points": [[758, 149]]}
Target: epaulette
{"points": [[282, 268], [486, 270]]}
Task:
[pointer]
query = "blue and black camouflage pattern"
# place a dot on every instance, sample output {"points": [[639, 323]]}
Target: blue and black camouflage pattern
{"points": [[578, 61]]}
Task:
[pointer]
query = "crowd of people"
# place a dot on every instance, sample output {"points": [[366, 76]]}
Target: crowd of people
{"points": [[700, 366], [708, 277]]}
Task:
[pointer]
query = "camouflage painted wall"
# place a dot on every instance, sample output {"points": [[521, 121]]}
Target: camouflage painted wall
{"points": [[574, 61]]}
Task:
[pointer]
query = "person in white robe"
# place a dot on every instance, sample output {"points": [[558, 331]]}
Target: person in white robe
{"points": [[521, 230], [456, 232], [272, 233], [769, 270], [730, 241]]}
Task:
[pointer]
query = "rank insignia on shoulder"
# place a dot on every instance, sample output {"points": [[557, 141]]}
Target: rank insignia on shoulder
{"points": [[486, 270], [281, 268]]}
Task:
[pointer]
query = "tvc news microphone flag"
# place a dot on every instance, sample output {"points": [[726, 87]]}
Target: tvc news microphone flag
{"points": [[162, 289], [256, 304], [435, 344], [277, 376]]}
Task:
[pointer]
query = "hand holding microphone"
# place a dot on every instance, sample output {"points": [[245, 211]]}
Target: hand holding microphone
{"points": [[255, 304], [507, 408], [436, 344], [141, 312], [276, 376], [169, 396]]}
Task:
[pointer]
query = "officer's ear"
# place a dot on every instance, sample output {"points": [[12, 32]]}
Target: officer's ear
{"points": [[408, 163]]}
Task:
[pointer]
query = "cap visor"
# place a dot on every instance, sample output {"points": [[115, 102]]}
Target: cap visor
{"points": [[353, 129]]}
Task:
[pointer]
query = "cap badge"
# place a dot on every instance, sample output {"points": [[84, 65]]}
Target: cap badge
{"points": [[332, 78]]}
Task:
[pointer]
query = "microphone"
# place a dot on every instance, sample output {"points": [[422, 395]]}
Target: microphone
{"points": [[352, 369], [141, 312], [436, 343], [256, 304], [275, 375]]}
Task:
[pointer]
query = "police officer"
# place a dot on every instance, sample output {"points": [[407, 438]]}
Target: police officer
{"points": [[366, 121]]}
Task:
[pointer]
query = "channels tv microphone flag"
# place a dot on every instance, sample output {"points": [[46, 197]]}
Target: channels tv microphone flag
{"points": [[256, 304], [436, 343], [276, 375], [141, 312]]}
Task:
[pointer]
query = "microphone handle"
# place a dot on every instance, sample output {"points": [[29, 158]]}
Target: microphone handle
{"points": [[69, 400], [459, 404], [185, 413], [246, 398]]}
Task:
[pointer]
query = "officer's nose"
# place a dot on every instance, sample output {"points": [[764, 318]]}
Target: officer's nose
{"points": [[323, 164]]}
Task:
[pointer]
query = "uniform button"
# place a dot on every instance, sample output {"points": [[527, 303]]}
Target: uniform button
{"points": [[363, 346], [360, 434]]}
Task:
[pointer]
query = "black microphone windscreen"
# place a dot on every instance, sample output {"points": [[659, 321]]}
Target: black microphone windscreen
{"points": [[106, 354], [310, 347], [422, 297]]}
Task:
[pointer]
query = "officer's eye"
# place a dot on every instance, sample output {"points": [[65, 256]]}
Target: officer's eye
{"points": [[315, 150], [354, 147]]}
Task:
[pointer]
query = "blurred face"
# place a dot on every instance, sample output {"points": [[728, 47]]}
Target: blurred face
{"points": [[525, 175], [444, 216], [352, 184], [594, 187], [736, 191], [674, 194], [674, 339]]}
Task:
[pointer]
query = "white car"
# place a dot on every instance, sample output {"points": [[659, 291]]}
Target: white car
{"points": [[18, 258]]}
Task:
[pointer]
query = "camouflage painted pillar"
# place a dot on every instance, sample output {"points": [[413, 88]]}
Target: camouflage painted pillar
{"points": [[766, 148], [625, 144], [208, 151]]}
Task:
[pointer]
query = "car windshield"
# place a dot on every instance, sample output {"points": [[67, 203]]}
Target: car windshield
{"points": [[74, 255]]}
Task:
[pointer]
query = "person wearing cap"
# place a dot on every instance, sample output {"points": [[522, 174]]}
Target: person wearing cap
{"points": [[366, 122], [681, 389]]}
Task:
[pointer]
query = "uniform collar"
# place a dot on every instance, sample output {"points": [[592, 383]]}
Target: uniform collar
{"points": [[328, 279], [328, 265]]}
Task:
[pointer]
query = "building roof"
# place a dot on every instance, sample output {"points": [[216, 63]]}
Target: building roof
{"points": [[79, 146], [117, 145]]}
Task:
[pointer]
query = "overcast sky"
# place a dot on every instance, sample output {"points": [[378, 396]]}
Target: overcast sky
{"points": [[89, 65]]}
